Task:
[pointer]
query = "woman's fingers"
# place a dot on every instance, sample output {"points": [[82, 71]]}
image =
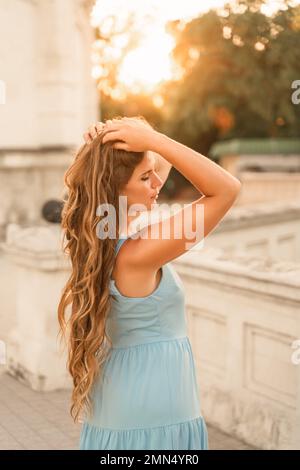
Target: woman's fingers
{"points": [[87, 138], [120, 145], [95, 129], [99, 126], [112, 134], [92, 131]]}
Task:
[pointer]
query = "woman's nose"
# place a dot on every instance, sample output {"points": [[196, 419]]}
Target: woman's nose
{"points": [[156, 181]]}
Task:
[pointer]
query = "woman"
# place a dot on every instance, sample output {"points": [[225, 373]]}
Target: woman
{"points": [[130, 357]]}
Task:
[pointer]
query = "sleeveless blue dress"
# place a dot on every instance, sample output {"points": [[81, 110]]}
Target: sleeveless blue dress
{"points": [[147, 396]]}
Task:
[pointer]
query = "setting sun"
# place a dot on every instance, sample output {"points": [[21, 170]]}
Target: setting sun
{"points": [[149, 63]]}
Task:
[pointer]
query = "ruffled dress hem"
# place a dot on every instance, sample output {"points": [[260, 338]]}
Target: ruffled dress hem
{"points": [[188, 435]]}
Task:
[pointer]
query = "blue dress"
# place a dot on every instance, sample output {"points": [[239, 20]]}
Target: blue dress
{"points": [[147, 396]]}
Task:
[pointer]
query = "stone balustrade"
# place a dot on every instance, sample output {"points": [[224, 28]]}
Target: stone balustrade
{"points": [[244, 323]]}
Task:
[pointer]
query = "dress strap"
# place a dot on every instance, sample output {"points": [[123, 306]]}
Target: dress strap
{"points": [[120, 242], [122, 239]]}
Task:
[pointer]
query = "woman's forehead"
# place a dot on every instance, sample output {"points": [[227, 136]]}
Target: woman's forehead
{"points": [[148, 163]]}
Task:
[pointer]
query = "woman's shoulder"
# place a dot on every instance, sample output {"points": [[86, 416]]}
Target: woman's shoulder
{"points": [[130, 279]]}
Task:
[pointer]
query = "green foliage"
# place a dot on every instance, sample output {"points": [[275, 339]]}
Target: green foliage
{"points": [[238, 70]]}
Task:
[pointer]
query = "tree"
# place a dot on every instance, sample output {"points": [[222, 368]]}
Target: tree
{"points": [[238, 67]]}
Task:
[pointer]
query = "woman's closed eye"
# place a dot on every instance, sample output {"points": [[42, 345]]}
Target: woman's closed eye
{"points": [[145, 178]]}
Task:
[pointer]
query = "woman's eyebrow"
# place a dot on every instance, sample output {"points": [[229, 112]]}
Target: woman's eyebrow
{"points": [[146, 172]]}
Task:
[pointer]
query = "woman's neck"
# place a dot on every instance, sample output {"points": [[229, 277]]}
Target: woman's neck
{"points": [[132, 223], [127, 228]]}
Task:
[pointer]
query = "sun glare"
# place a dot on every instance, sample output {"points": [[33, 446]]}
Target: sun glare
{"points": [[150, 63], [145, 67]]}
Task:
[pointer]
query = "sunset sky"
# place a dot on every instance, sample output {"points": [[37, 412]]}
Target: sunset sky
{"points": [[150, 63]]}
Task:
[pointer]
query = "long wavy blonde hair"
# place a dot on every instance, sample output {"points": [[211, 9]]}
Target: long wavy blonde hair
{"points": [[96, 176]]}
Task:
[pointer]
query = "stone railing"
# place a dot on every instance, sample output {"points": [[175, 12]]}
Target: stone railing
{"points": [[269, 187], [243, 317], [33, 273], [261, 230]]}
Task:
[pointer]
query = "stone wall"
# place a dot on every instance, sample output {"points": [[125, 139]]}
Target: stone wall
{"points": [[267, 231], [269, 187], [244, 319], [51, 99]]}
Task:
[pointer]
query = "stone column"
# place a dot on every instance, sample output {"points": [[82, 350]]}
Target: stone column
{"points": [[51, 98], [38, 270]]}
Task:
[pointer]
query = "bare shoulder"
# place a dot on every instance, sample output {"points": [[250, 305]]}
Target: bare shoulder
{"points": [[132, 280]]}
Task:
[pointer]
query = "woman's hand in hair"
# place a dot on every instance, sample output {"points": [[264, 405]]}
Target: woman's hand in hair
{"points": [[94, 130], [132, 135]]}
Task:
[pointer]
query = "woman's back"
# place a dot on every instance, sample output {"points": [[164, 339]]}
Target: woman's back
{"points": [[148, 396], [133, 281], [159, 315]]}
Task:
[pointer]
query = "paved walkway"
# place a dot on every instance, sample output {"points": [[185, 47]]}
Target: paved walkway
{"points": [[38, 420]]}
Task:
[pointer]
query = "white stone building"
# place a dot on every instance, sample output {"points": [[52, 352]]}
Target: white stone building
{"points": [[242, 288]]}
